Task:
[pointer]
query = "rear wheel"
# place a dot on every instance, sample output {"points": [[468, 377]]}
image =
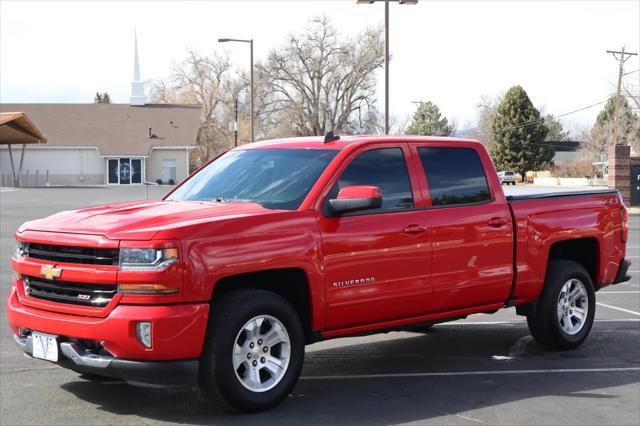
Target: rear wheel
{"points": [[566, 307], [253, 353]]}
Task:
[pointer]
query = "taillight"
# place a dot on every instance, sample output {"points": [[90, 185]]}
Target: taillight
{"points": [[624, 227]]}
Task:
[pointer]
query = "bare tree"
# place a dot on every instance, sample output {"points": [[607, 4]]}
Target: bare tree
{"points": [[486, 108], [318, 82], [208, 81]]}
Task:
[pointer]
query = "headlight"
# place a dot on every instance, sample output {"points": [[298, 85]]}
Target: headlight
{"points": [[147, 259]]}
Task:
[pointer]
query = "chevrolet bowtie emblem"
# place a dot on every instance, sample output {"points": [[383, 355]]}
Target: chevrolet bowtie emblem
{"points": [[50, 272]]}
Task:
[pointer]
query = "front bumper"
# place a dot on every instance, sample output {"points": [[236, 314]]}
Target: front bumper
{"points": [[73, 356], [178, 330], [178, 333]]}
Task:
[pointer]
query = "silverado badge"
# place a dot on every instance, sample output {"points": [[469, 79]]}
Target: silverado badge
{"points": [[50, 272]]}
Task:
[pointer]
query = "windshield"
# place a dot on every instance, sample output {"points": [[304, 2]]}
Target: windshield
{"points": [[275, 178]]}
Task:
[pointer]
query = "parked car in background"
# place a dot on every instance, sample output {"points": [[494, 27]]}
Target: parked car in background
{"points": [[278, 244], [507, 177]]}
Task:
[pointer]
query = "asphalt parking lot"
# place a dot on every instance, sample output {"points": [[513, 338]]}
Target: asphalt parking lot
{"points": [[482, 370]]}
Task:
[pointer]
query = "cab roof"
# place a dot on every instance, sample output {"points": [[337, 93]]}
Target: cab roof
{"points": [[317, 142]]}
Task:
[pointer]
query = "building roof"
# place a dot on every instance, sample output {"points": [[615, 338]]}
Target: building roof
{"points": [[16, 128], [114, 129]]}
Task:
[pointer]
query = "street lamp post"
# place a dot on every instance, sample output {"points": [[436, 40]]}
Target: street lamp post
{"points": [[386, 53], [250, 41]]}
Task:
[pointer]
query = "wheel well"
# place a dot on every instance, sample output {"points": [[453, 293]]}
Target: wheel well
{"points": [[290, 283], [581, 250]]}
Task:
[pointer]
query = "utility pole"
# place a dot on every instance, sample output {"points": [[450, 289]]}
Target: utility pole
{"points": [[386, 53], [235, 127], [251, 107], [386, 67], [622, 57]]}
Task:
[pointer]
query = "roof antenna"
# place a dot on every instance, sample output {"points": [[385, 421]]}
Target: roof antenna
{"points": [[330, 137]]}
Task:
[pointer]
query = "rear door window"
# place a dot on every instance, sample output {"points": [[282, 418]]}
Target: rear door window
{"points": [[455, 176]]}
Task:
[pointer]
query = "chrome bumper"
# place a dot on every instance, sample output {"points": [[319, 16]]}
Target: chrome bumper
{"points": [[181, 373]]}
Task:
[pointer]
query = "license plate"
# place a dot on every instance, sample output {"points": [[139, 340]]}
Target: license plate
{"points": [[45, 346]]}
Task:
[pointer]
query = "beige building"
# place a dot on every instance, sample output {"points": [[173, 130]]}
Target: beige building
{"points": [[112, 144], [116, 144]]}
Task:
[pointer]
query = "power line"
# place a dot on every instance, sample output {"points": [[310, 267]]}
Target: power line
{"points": [[541, 120]]}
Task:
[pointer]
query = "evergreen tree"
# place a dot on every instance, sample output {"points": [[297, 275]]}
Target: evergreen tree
{"points": [[428, 121], [555, 130], [518, 134]]}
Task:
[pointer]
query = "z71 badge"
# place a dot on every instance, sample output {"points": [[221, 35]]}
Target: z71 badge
{"points": [[357, 281]]}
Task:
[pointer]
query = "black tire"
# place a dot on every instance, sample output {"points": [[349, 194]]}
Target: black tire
{"points": [[217, 377], [544, 323]]}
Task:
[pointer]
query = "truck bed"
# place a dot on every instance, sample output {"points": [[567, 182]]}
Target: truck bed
{"points": [[569, 222]]}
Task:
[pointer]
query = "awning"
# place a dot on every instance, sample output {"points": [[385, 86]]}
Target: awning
{"points": [[16, 128]]}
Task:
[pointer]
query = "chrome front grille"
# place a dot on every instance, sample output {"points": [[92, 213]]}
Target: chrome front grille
{"points": [[98, 295], [70, 254]]}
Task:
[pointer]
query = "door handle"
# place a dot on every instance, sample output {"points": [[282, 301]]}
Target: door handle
{"points": [[497, 222], [414, 229]]}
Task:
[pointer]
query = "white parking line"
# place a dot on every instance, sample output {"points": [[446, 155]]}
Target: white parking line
{"points": [[472, 373], [620, 292], [619, 309], [524, 322]]}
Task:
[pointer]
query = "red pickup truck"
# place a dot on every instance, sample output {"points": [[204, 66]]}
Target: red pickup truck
{"points": [[279, 244]]}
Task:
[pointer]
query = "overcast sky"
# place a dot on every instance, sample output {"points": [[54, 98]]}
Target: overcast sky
{"points": [[449, 52]]}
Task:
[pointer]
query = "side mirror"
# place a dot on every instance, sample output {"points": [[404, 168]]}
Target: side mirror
{"points": [[356, 198]]}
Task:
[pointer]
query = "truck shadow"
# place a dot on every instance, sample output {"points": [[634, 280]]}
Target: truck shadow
{"points": [[322, 397]]}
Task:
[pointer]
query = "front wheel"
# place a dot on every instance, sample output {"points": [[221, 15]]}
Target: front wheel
{"points": [[253, 353], [566, 307]]}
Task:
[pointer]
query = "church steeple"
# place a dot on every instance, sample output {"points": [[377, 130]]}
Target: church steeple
{"points": [[138, 96]]}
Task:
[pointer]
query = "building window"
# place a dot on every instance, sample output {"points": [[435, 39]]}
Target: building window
{"points": [[136, 170], [124, 171], [169, 171], [112, 170]]}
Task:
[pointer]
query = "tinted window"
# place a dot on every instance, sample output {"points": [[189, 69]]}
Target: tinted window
{"points": [[274, 178], [384, 168], [454, 175]]}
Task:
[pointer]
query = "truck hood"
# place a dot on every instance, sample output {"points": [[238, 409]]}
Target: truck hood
{"points": [[141, 220]]}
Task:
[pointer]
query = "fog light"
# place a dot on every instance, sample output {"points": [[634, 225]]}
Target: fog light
{"points": [[143, 332]]}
